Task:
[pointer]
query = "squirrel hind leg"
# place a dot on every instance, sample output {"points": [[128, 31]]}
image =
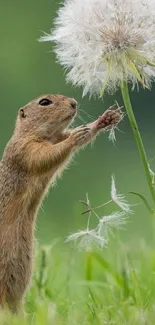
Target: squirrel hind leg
{"points": [[3, 302], [16, 306], [7, 302]]}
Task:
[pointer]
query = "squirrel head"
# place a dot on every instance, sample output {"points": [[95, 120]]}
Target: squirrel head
{"points": [[46, 115]]}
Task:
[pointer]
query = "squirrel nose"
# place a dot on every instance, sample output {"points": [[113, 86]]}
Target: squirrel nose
{"points": [[73, 103]]}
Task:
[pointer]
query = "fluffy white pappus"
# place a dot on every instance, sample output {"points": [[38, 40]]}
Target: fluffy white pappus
{"points": [[104, 42], [118, 198], [114, 220], [87, 239], [112, 136]]}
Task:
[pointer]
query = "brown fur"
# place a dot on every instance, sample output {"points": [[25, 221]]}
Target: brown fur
{"points": [[37, 152]]}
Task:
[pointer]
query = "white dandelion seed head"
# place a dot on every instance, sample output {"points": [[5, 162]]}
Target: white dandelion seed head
{"points": [[87, 239], [115, 220], [118, 198], [104, 42]]}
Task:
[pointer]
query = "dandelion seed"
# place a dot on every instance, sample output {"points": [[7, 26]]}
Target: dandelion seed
{"points": [[119, 199], [114, 220], [112, 136], [87, 239], [104, 42]]}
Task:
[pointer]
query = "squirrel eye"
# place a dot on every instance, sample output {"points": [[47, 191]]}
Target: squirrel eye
{"points": [[45, 102]]}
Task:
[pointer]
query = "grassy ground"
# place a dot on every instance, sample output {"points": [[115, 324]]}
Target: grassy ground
{"points": [[115, 286]]}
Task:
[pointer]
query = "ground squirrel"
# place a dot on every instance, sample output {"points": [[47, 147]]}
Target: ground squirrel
{"points": [[38, 151]]}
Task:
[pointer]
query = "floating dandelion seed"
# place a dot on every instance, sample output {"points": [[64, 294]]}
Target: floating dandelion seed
{"points": [[114, 220], [87, 239], [118, 198], [104, 42]]}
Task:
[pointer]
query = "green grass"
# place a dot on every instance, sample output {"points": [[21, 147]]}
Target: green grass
{"points": [[113, 286]]}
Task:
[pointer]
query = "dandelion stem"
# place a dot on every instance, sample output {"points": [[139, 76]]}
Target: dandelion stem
{"points": [[128, 106], [88, 265]]}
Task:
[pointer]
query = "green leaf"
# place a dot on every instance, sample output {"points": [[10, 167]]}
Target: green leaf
{"points": [[108, 268], [148, 206]]}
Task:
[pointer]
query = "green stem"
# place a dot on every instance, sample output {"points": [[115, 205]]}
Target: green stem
{"points": [[88, 265], [128, 106]]}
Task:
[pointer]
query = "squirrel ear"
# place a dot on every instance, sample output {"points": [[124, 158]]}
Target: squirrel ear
{"points": [[22, 113]]}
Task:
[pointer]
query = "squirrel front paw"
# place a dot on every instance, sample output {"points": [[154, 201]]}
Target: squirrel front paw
{"points": [[109, 119], [80, 136]]}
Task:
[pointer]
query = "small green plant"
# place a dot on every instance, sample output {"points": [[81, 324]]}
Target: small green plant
{"points": [[70, 287]]}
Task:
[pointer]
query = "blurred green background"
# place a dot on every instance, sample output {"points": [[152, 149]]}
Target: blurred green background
{"points": [[28, 69]]}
